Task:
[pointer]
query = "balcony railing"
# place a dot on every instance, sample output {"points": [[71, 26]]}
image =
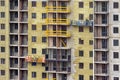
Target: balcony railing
{"points": [[58, 33], [14, 19], [58, 21], [62, 58], [13, 54], [14, 65], [13, 7], [58, 9], [62, 69], [14, 42], [13, 77]]}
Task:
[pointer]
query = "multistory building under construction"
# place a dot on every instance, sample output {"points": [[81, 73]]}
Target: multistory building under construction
{"points": [[46, 40]]}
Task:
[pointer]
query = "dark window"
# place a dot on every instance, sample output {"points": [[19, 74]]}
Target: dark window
{"points": [[115, 5], [81, 41], [115, 17], [33, 15], [2, 26], [44, 39], [2, 14], [43, 64], [90, 4], [16, 49], [81, 16], [116, 78], [2, 49], [2, 3], [81, 29], [43, 15], [2, 61], [33, 27], [33, 74], [44, 75], [90, 16], [81, 4], [115, 42], [91, 42], [90, 66], [81, 53], [115, 55], [33, 3], [33, 50], [90, 77], [2, 37], [43, 3], [44, 27], [34, 38], [116, 67], [33, 63], [90, 29], [44, 51], [81, 65], [115, 30], [90, 53], [2, 72], [81, 77]]}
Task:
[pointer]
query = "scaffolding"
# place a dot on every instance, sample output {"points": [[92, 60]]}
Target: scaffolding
{"points": [[58, 58]]}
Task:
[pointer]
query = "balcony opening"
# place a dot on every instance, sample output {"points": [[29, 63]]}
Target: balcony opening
{"points": [[54, 75], [104, 68], [104, 43], [104, 56], [64, 76], [54, 41], [104, 6], [104, 31], [104, 19], [54, 53]]}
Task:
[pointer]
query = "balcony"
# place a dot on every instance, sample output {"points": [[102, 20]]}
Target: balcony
{"points": [[23, 5], [23, 29], [101, 72], [13, 74], [58, 33], [57, 21], [14, 40], [52, 9], [82, 23], [13, 16], [101, 8], [65, 70], [13, 63], [13, 28], [13, 5], [24, 75], [101, 20], [23, 64], [23, 17], [57, 57], [23, 51], [23, 40]]}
